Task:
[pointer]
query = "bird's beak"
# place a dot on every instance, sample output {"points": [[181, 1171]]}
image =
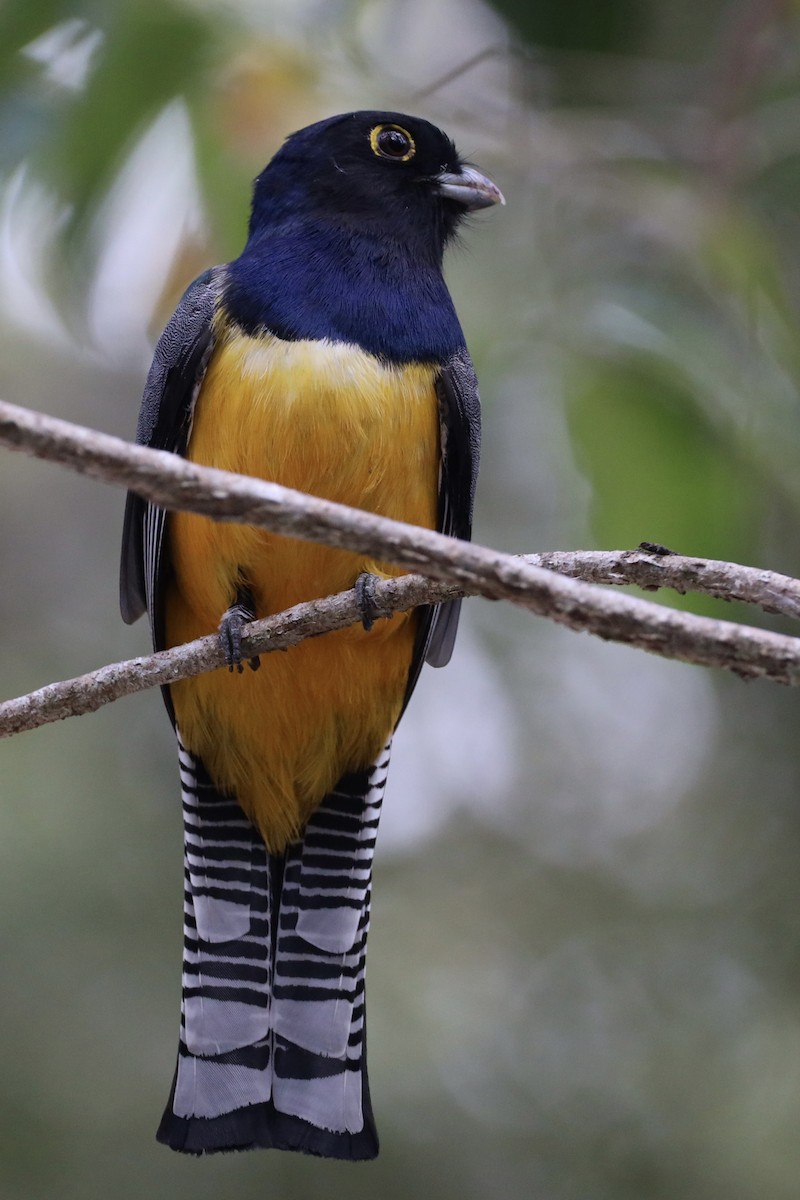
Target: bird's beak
{"points": [[469, 187]]}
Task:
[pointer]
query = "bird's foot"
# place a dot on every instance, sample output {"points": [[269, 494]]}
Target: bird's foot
{"points": [[230, 631], [365, 598]]}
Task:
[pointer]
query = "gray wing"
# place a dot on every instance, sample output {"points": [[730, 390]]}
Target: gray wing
{"points": [[179, 364], [460, 423]]}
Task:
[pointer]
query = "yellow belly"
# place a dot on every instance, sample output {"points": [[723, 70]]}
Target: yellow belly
{"points": [[329, 419]]}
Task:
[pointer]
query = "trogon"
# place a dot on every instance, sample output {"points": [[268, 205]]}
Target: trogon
{"points": [[327, 357]]}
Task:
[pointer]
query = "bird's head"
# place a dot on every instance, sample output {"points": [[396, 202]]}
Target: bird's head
{"points": [[385, 173]]}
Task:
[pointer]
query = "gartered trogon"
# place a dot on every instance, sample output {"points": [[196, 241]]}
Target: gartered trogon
{"points": [[327, 357]]}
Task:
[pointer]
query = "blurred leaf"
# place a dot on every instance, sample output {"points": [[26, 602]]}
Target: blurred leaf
{"points": [[263, 94], [659, 472], [21, 24], [581, 25], [152, 52]]}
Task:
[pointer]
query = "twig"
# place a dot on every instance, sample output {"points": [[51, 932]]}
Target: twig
{"points": [[174, 483], [771, 655], [770, 591], [87, 693], [468, 570]]}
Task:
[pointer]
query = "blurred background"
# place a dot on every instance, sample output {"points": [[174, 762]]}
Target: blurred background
{"points": [[585, 960]]}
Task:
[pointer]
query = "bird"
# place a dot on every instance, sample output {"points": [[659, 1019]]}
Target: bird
{"points": [[327, 357]]}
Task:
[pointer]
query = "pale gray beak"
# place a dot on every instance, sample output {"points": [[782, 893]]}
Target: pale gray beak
{"points": [[469, 187]]}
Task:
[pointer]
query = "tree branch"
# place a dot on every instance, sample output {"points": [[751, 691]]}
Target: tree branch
{"points": [[770, 655], [650, 568], [459, 567]]}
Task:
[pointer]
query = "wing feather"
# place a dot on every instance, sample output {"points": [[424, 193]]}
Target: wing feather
{"points": [[460, 421], [179, 364]]}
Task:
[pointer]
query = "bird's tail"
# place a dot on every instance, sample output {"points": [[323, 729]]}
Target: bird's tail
{"points": [[273, 1035]]}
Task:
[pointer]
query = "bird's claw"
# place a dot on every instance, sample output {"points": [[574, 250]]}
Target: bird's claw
{"points": [[233, 621], [366, 600]]}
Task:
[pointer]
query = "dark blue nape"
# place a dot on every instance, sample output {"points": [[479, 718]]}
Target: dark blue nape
{"points": [[309, 278]]}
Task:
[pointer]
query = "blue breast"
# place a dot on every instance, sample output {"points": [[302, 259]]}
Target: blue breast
{"points": [[309, 279]]}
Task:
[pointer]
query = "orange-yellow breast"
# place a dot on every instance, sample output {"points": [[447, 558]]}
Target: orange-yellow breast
{"points": [[330, 419]]}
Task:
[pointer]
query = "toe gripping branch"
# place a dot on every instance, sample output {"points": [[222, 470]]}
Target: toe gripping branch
{"points": [[230, 630], [368, 606]]}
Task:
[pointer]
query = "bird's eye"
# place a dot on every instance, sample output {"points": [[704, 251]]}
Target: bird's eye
{"points": [[390, 141]]}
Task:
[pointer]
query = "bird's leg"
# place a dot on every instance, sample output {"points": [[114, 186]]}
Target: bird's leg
{"points": [[230, 629], [365, 598]]}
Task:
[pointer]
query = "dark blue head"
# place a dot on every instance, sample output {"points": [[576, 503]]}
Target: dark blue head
{"points": [[349, 224], [395, 176]]}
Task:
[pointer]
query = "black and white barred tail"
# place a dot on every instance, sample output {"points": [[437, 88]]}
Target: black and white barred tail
{"points": [[273, 1034]]}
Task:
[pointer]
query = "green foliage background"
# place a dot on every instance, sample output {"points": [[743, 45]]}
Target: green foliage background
{"points": [[585, 967]]}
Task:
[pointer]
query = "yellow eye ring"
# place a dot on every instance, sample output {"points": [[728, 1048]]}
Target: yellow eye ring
{"points": [[392, 141]]}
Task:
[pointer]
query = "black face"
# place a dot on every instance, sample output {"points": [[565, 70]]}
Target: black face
{"points": [[370, 152], [380, 171]]}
